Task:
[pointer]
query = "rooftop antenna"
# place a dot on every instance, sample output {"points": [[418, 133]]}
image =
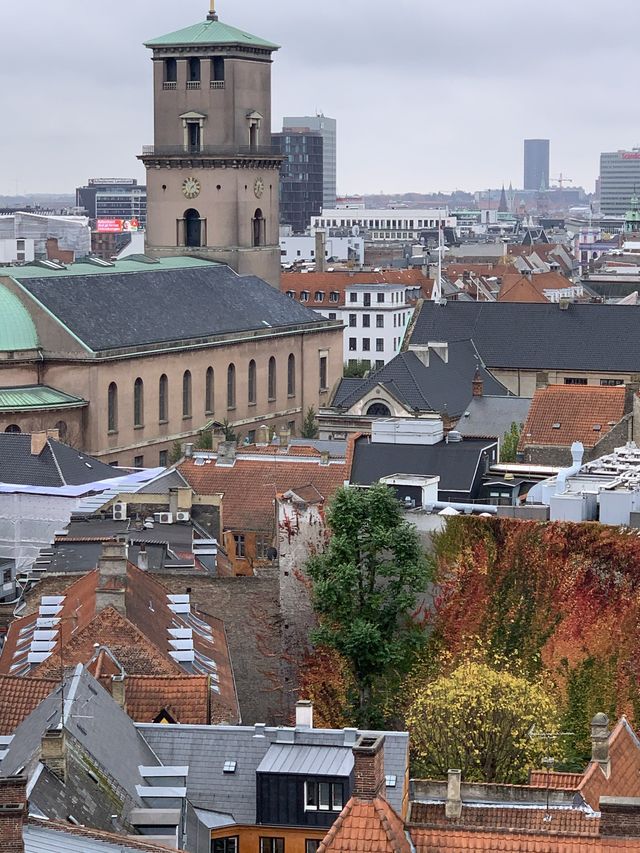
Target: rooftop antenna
{"points": [[213, 15]]}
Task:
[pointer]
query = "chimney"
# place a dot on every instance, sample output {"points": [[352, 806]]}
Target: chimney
{"points": [[453, 807], [143, 558], [112, 583], [38, 442], [421, 351], [368, 754], [321, 242], [620, 817], [284, 435], [262, 439], [600, 742], [324, 457], [477, 384], [13, 813], [118, 692], [226, 453], [53, 752], [54, 434], [304, 714], [188, 451]]}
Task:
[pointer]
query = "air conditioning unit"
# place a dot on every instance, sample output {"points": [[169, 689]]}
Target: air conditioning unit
{"points": [[183, 516], [164, 517], [119, 511]]}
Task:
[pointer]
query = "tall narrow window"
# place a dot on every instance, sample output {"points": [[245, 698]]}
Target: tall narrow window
{"points": [[291, 376], [231, 386], [272, 378], [170, 71], [193, 70], [251, 382], [138, 402], [208, 391], [163, 398], [192, 228], [217, 69], [323, 372], [186, 394], [258, 224], [112, 407]]}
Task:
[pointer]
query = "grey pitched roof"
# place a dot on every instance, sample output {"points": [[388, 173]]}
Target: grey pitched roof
{"points": [[455, 463], [161, 304], [538, 336], [106, 739], [57, 465], [45, 839], [302, 760], [206, 748], [491, 417], [440, 387]]}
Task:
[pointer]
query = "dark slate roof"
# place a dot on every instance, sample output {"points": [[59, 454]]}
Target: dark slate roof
{"points": [[491, 417], [538, 337], [164, 304], [206, 748], [455, 463], [441, 387], [57, 465]]}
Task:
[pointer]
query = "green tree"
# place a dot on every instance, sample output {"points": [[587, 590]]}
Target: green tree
{"points": [[310, 424], [366, 585], [510, 440], [483, 720], [175, 454], [356, 369]]}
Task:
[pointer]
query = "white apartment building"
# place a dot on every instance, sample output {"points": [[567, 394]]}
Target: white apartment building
{"points": [[301, 247], [376, 317], [385, 224], [16, 250]]}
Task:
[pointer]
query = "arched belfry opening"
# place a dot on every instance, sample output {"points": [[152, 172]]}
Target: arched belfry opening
{"points": [[192, 228], [259, 228]]}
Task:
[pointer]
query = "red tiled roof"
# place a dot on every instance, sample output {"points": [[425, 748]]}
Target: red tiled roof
{"points": [[441, 840], [19, 697], [624, 778], [508, 818], [328, 282], [577, 409], [366, 825], [555, 780], [516, 287], [249, 487], [185, 698]]}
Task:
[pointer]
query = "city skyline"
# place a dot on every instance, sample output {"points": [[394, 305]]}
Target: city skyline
{"points": [[495, 75]]}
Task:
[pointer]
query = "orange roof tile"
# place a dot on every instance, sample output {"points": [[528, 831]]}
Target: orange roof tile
{"points": [[555, 780], [250, 486], [185, 698], [624, 778], [366, 825], [577, 409], [441, 840], [508, 818], [516, 287], [337, 282], [19, 697]]}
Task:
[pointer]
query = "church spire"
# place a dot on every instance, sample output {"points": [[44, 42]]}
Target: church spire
{"points": [[503, 207]]}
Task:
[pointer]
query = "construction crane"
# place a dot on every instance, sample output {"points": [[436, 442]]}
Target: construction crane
{"points": [[561, 180]]}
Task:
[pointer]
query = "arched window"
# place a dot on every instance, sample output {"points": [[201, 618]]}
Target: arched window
{"points": [[163, 398], [138, 402], [13, 428], [208, 391], [186, 394], [378, 410], [231, 386], [251, 382], [112, 407], [291, 376], [192, 228], [258, 223], [61, 426], [272, 378]]}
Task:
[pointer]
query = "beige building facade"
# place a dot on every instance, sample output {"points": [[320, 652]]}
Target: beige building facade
{"points": [[212, 174]]}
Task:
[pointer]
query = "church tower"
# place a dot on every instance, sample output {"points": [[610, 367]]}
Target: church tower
{"points": [[212, 175]]}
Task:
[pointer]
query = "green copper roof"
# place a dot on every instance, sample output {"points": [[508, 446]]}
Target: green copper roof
{"points": [[17, 331], [32, 397], [87, 268], [210, 32]]}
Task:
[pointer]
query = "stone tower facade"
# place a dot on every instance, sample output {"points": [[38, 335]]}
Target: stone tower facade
{"points": [[212, 174]]}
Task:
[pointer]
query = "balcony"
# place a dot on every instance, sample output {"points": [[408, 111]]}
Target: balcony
{"points": [[216, 84], [169, 84], [210, 151], [193, 84]]}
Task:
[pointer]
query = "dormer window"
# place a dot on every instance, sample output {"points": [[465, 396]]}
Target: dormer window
{"points": [[323, 796]]}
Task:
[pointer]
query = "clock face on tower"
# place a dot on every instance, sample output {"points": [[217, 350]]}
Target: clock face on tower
{"points": [[191, 187], [258, 188]]}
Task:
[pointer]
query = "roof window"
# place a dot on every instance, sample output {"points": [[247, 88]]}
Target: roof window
{"points": [[555, 426], [391, 780], [229, 767]]}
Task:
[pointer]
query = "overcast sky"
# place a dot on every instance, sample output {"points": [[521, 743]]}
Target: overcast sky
{"points": [[428, 94]]}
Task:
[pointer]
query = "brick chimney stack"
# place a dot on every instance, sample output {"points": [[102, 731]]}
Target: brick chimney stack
{"points": [[478, 384], [112, 584], [600, 742], [53, 752], [38, 442], [13, 813], [368, 754]]}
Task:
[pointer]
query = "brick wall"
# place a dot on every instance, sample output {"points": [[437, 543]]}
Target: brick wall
{"points": [[13, 809], [620, 817]]}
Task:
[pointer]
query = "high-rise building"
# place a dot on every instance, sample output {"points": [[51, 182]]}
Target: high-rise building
{"points": [[327, 128], [619, 180], [301, 189], [113, 198], [536, 164], [212, 174]]}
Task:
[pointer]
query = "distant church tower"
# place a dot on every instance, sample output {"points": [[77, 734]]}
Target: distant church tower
{"points": [[212, 176]]}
